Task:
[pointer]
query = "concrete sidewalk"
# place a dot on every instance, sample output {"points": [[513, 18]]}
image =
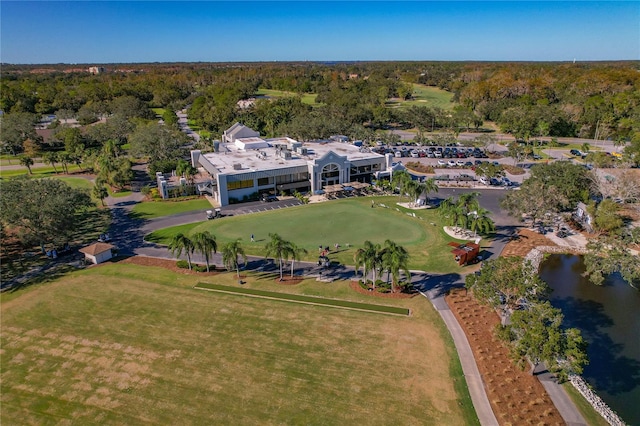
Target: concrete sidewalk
{"points": [[469, 367]]}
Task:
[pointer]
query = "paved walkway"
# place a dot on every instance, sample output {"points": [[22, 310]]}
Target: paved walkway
{"points": [[469, 367]]}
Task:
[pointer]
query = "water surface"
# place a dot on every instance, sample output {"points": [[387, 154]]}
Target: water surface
{"points": [[609, 318]]}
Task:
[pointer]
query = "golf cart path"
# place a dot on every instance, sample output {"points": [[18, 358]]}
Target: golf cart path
{"points": [[435, 292]]}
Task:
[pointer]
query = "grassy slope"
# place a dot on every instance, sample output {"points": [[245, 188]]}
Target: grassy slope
{"points": [[128, 344], [349, 221], [151, 209]]}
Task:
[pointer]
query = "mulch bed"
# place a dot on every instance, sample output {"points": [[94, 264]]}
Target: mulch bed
{"points": [[289, 280], [516, 396], [168, 264], [526, 241], [355, 286]]}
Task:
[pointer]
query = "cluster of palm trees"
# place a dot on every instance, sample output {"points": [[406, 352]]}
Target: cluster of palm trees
{"points": [[232, 252], [205, 244], [282, 250], [377, 259], [413, 188], [465, 212]]}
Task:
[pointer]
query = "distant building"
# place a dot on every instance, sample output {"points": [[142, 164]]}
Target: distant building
{"points": [[245, 166], [96, 70]]}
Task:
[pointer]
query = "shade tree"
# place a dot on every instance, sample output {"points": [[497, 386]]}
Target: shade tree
{"points": [[231, 252]]}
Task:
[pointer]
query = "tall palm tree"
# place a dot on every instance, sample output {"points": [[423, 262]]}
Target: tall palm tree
{"points": [[481, 222], [296, 254], [181, 243], [395, 258], [230, 253], [279, 249], [430, 185], [414, 189], [369, 258], [400, 180], [205, 243]]}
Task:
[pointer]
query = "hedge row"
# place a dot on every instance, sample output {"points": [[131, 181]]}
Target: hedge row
{"points": [[305, 299]]}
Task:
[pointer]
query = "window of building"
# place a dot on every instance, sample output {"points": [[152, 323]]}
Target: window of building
{"points": [[240, 184]]}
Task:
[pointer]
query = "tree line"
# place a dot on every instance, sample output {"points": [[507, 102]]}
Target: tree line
{"points": [[527, 100]]}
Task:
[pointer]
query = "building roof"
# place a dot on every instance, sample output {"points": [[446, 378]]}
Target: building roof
{"points": [[96, 248], [232, 160]]}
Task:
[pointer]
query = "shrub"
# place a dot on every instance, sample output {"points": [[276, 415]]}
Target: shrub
{"points": [[182, 264]]}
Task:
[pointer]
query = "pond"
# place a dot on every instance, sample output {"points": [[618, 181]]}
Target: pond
{"points": [[609, 318]]}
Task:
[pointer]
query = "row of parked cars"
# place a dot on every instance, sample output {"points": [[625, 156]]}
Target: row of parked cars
{"points": [[436, 152], [496, 181]]}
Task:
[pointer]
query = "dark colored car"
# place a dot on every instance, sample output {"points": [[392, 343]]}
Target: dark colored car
{"points": [[267, 198]]}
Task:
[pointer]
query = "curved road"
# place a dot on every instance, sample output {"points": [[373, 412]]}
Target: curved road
{"points": [[128, 235]]}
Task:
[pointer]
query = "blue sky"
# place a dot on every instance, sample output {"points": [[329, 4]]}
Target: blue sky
{"points": [[149, 31]]}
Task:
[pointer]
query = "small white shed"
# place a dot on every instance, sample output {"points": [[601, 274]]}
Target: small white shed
{"points": [[97, 252]]}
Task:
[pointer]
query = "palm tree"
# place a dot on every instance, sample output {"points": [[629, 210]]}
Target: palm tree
{"points": [[181, 243], [481, 222], [27, 162], [278, 248], [395, 258], [296, 254], [415, 190], [430, 185], [230, 253], [400, 180], [369, 258], [205, 243]]}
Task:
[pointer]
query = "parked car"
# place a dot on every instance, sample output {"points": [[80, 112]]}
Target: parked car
{"points": [[451, 163], [576, 152], [441, 163], [483, 180], [267, 198], [562, 233]]}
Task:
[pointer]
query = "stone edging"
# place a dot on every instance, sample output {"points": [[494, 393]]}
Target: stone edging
{"points": [[535, 256], [596, 402]]}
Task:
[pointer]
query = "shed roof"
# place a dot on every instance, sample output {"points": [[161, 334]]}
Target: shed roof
{"points": [[96, 248]]}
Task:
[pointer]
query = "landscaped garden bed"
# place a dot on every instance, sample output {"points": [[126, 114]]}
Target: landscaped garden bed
{"points": [[516, 396]]}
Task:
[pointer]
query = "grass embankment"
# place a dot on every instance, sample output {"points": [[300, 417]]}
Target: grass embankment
{"points": [[590, 415], [348, 222], [127, 344], [305, 98], [152, 209], [312, 300], [426, 96]]}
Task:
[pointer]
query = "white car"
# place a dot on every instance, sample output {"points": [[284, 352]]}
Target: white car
{"points": [[441, 163], [451, 163], [459, 163], [414, 154]]}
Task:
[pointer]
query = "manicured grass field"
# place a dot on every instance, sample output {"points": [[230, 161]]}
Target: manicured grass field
{"points": [[76, 182], [307, 98], [151, 209], [345, 222], [125, 344], [427, 96], [37, 172]]}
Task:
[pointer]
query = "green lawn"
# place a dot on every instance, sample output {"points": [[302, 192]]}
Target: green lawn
{"points": [[426, 96], [38, 172], [348, 221], [151, 209], [306, 98], [75, 182], [123, 344]]}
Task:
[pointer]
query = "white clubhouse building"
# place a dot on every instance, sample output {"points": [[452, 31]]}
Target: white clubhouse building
{"points": [[244, 166]]}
